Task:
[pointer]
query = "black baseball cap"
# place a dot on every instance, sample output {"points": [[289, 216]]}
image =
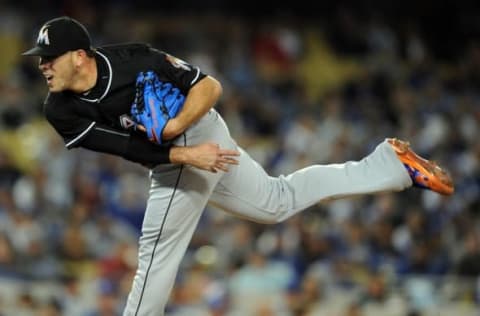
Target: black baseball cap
{"points": [[59, 36]]}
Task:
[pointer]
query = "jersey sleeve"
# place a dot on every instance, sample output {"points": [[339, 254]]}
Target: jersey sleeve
{"points": [[177, 71], [82, 132], [132, 146]]}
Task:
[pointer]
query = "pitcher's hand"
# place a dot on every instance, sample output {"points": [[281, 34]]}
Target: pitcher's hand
{"points": [[207, 156]]}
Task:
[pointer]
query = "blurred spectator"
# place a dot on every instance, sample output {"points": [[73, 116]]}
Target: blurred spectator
{"points": [[107, 303], [260, 282], [469, 263], [190, 295], [50, 308], [305, 299], [72, 299], [353, 310], [377, 300], [25, 305]]}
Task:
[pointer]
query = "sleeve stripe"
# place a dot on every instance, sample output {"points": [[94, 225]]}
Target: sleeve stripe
{"points": [[112, 132], [196, 77], [73, 141]]}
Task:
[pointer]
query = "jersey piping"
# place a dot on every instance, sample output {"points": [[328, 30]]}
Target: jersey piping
{"points": [[196, 77], [110, 77], [112, 132], [73, 141], [152, 256]]}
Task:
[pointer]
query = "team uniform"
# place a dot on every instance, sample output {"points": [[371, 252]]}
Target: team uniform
{"points": [[99, 120]]}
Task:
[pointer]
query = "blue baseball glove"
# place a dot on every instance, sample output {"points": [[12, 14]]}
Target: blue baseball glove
{"points": [[155, 103]]}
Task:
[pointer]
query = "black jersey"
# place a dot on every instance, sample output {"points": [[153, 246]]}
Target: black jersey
{"points": [[99, 119]]}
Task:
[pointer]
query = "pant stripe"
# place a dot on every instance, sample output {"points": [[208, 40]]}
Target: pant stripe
{"points": [[160, 234]]}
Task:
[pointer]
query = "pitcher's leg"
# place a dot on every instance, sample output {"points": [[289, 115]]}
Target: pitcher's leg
{"points": [[247, 191], [177, 199], [378, 172]]}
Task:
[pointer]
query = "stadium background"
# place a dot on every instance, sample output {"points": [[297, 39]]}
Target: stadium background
{"points": [[304, 83]]}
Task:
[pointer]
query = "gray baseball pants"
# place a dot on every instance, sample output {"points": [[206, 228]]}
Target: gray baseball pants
{"points": [[179, 194]]}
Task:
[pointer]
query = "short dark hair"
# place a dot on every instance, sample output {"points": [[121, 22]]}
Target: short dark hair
{"points": [[91, 52]]}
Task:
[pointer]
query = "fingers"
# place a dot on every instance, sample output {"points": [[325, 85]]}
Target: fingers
{"points": [[227, 160], [141, 128], [228, 152], [222, 163], [222, 167], [226, 156], [215, 158]]}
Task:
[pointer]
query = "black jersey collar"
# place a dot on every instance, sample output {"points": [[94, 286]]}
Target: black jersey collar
{"points": [[104, 80]]}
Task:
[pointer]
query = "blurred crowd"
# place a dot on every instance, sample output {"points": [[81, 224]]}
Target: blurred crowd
{"points": [[296, 92]]}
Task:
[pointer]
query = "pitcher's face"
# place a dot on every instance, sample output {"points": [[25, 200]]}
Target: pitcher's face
{"points": [[59, 71]]}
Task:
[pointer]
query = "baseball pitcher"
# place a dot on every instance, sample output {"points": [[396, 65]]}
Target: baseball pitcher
{"points": [[152, 108]]}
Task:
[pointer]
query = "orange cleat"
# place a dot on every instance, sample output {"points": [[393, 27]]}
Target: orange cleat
{"points": [[425, 174]]}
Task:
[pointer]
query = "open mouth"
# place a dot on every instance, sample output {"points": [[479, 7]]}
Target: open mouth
{"points": [[49, 78]]}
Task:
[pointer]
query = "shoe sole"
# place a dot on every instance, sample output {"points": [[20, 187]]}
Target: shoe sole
{"points": [[433, 177]]}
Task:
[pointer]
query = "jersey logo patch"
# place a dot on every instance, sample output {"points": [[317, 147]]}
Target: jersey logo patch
{"points": [[43, 36], [127, 122], [177, 62]]}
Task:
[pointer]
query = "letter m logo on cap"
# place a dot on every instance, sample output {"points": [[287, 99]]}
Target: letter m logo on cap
{"points": [[43, 36]]}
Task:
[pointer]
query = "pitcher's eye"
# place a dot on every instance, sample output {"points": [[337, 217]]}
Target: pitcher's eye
{"points": [[47, 59]]}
